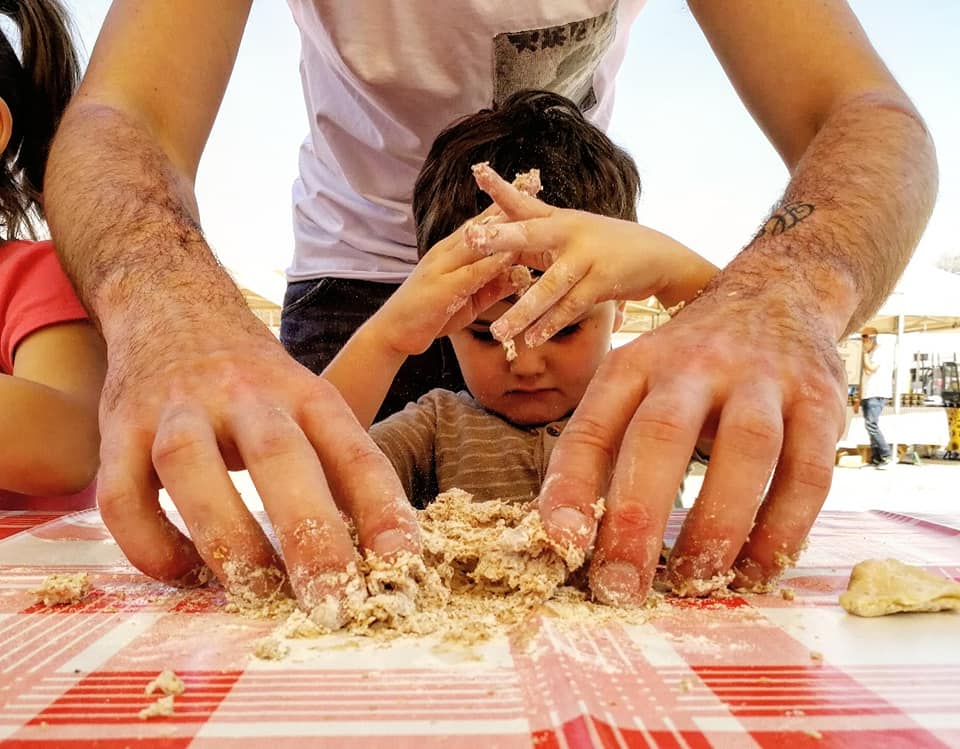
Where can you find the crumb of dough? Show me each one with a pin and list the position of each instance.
(162, 708)
(256, 593)
(478, 233)
(487, 567)
(816, 655)
(888, 586)
(270, 649)
(167, 682)
(787, 594)
(520, 278)
(813, 733)
(528, 182)
(671, 311)
(509, 349)
(61, 589)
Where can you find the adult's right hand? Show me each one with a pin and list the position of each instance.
(190, 397)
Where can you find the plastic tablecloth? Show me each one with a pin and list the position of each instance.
(742, 671)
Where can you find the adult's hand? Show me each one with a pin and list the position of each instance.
(196, 385)
(187, 399)
(753, 369)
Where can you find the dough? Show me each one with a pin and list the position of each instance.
(58, 590)
(167, 682)
(162, 708)
(888, 586)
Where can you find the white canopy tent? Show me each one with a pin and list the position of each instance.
(925, 299)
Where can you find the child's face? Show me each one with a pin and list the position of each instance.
(542, 384)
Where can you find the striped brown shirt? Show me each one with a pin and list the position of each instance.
(448, 440)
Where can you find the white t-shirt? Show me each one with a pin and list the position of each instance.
(381, 78)
(880, 383)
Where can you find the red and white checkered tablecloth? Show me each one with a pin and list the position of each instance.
(739, 672)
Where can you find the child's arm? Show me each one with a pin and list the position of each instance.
(49, 404)
(450, 286)
(602, 258)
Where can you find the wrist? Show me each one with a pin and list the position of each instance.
(813, 292)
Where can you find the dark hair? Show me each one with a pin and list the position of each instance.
(580, 167)
(36, 92)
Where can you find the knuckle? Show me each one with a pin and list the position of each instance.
(362, 456)
(812, 474)
(659, 424)
(756, 432)
(589, 432)
(634, 520)
(114, 496)
(175, 444)
(276, 437)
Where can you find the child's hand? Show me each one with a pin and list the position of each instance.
(450, 286)
(586, 259)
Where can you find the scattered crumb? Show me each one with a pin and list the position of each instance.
(520, 278)
(671, 311)
(257, 593)
(61, 589)
(787, 594)
(816, 655)
(162, 708)
(510, 349)
(813, 733)
(270, 648)
(167, 682)
(528, 182)
(686, 684)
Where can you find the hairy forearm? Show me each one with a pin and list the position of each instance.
(126, 226)
(853, 212)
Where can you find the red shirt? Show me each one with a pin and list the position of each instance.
(34, 293)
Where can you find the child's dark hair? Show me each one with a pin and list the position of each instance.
(580, 167)
(37, 92)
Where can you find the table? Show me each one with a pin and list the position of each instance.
(743, 671)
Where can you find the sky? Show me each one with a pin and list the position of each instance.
(709, 175)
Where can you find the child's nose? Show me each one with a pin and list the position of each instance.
(529, 361)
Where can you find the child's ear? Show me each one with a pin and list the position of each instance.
(6, 125)
(619, 313)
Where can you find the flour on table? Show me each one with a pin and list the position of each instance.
(62, 589)
(888, 586)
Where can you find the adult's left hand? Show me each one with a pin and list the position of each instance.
(747, 367)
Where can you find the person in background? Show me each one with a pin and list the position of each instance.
(495, 441)
(876, 385)
(52, 359)
(197, 386)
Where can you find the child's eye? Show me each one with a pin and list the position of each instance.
(567, 331)
(482, 335)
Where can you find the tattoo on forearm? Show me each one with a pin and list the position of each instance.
(786, 218)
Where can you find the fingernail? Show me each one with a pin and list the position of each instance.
(572, 522)
(333, 598)
(500, 331)
(616, 584)
(390, 542)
